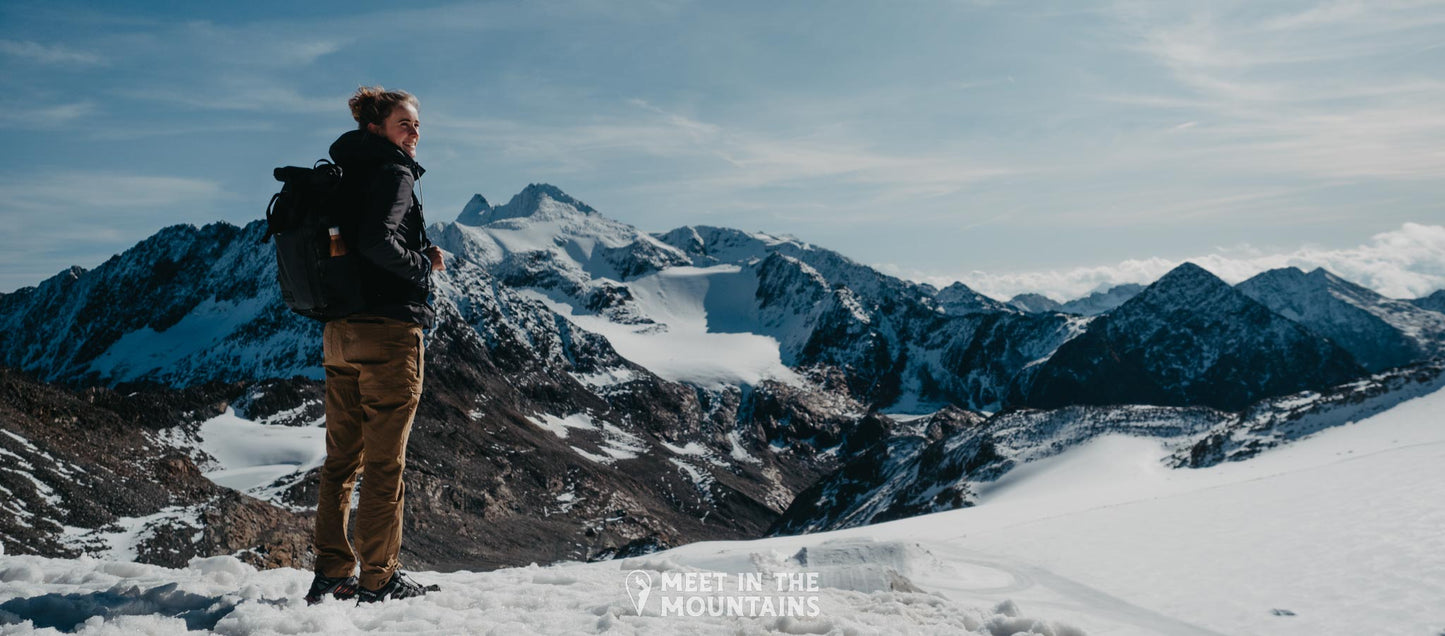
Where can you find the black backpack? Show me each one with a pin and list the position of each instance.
(314, 283)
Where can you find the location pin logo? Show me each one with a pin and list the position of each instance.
(639, 585)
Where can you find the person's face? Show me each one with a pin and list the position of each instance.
(402, 128)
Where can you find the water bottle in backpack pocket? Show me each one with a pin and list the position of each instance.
(316, 271)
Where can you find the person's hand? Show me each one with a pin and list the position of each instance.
(435, 254)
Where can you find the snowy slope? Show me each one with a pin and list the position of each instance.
(259, 459)
(948, 465)
(186, 305)
(1334, 533)
(1339, 531)
(700, 327)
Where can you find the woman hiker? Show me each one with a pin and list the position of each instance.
(373, 358)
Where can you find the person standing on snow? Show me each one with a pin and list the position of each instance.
(374, 358)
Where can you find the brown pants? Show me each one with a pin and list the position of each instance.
(373, 384)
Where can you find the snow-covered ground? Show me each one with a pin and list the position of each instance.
(1338, 533)
(252, 456)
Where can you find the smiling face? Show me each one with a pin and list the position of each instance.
(402, 128)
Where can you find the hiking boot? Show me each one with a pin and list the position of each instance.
(399, 586)
(341, 588)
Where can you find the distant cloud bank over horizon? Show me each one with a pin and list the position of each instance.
(1404, 263)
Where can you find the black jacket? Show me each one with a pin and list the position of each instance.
(382, 221)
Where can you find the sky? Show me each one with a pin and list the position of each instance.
(1053, 147)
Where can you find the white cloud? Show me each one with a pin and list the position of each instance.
(51, 54)
(1404, 263)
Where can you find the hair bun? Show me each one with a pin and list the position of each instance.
(373, 104)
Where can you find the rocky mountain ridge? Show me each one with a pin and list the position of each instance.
(541, 436)
(1188, 339)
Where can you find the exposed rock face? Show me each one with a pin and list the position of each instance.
(96, 461)
(870, 487)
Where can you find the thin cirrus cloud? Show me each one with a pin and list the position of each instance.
(1405, 263)
(723, 158)
(260, 96)
(50, 54)
(81, 217)
(266, 45)
(1319, 93)
(16, 116)
(78, 191)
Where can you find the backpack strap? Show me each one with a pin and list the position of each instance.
(270, 219)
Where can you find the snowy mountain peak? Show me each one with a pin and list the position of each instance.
(1189, 274)
(474, 211)
(538, 200)
(959, 299)
(1434, 302)
(1034, 303)
(1317, 279)
(1380, 332)
(1186, 287)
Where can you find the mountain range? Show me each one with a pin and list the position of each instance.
(595, 391)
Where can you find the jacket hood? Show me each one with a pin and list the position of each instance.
(359, 147)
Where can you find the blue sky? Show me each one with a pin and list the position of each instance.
(1040, 146)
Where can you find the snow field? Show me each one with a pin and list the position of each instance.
(251, 455)
(1337, 533)
(228, 597)
(701, 340)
